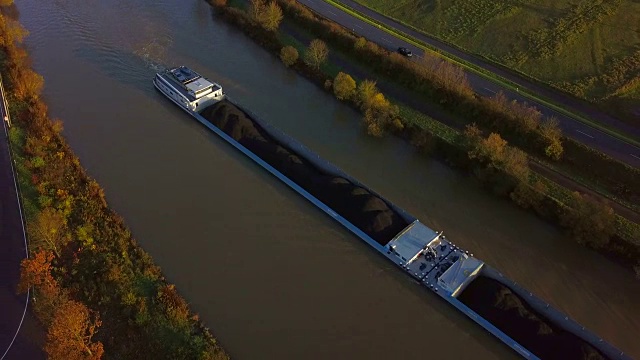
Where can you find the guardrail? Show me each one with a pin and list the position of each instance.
(482, 72)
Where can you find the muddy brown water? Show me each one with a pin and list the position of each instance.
(269, 273)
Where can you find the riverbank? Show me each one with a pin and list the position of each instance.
(539, 194)
(88, 265)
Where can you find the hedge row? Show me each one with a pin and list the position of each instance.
(443, 84)
(572, 211)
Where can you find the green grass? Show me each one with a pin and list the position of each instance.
(507, 32)
(628, 230)
(436, 128)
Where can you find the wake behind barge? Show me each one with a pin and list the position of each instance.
(424, 254)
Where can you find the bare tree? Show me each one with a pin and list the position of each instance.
(316, 54)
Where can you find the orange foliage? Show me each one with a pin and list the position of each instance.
(175, 306)
(70, 334)
(36, 271)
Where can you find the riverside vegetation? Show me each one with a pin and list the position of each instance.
(590, 49)
(480, 147)
(97, 293)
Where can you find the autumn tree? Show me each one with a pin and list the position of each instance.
(70, 335)
(379, 114)
(360, 43)
(173, 304)
(552, 135)
(272, 16)
(49, 231)
(288, 55)
(35, 272)
(26, 83)
(6, 2)
(364, 95)
(588, 221)
(344, 87)
(268, 16)
(516, 164)
(526, 118)
(316, 54)
(496, 163)
(527, 195)
(256, 9)
(11, 31)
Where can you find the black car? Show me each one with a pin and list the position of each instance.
(404, 51)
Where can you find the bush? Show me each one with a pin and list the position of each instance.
(589, 222)
(289, 55)
(360, 43)
(366, 91)
(344, 87)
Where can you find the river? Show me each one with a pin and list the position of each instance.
(271, 275)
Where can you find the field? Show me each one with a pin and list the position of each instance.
(588, 48)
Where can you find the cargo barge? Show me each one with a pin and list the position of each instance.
(524, 322)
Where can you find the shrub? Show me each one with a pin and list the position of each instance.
(288, 55)
(527, 196)
(344, 87)
(589, 222)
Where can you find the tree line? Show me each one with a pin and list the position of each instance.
(502, 167)
(442, 83)
(97, 293)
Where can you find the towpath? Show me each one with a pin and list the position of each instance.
(20, 333)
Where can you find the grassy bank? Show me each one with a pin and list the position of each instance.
(99, 294)
(501, 173)
(579, 48)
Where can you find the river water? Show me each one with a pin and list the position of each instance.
(271, 275)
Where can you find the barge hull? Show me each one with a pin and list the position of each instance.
(447, 255)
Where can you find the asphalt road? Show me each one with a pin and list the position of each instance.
(572, 128)
(20, 334)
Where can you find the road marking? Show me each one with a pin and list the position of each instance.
(387, 40)
(493, 92)
(585, 134)
(637, 157)
(358, 26)
(331, 12)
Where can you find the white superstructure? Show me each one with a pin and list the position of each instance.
(187, 88)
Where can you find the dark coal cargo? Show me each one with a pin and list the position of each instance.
(507, 311)
(494, 301)
(359, 206)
